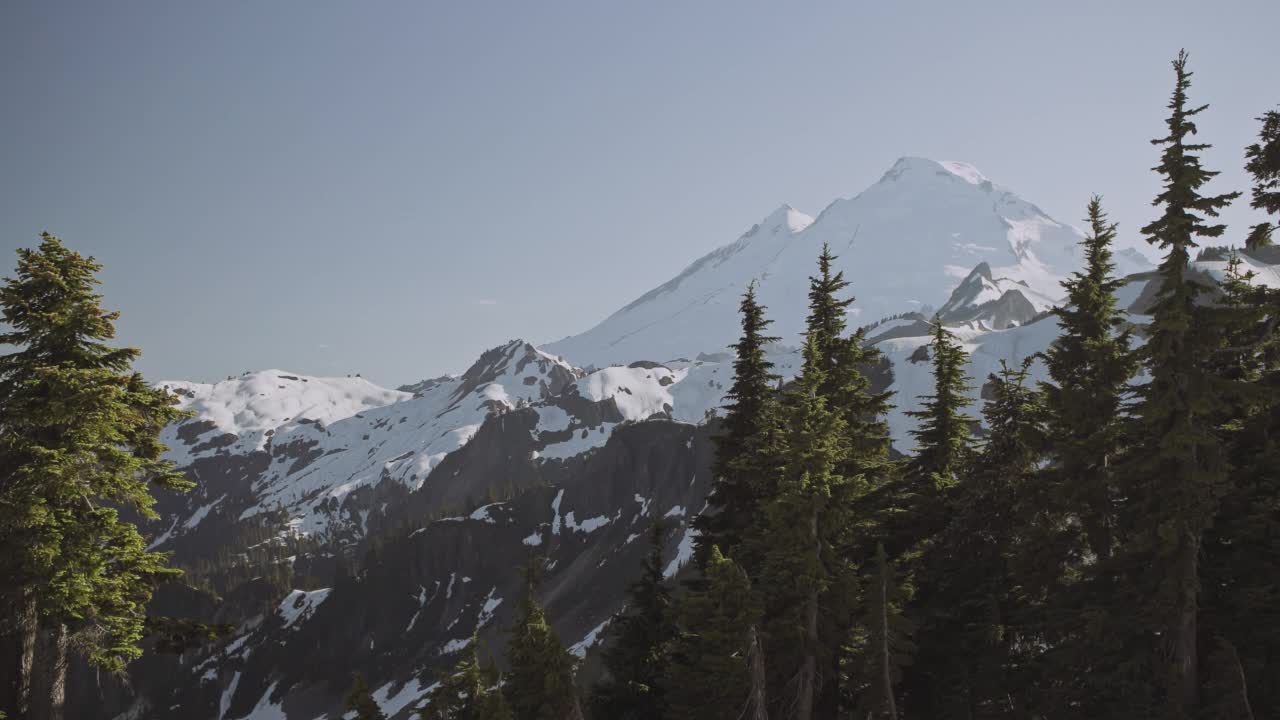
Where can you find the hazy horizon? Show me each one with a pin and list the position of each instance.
(332, 190)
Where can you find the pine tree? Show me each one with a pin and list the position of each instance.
(79, 438)
(361, 702)
(802, 567)
(1264, 165)
(640, 639)
(1090, 365)
(1178, 467)
(742, 451)
(708, 675)
(882, 646)
(540, 682)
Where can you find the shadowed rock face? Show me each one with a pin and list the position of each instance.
(426, 591)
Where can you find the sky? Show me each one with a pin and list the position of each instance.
(390, 188)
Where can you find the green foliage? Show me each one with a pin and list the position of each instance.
(79, 438)
(1264, 165)
(1177, 471)
(742, 466)
(880, 647)
(943, 438)
(178, 635)
(640, 638)
(707, 675)
(360, 701)
(1090, 365)
(471, 691)
(540, 683)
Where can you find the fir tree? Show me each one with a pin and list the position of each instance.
(79, 438)
(468, 692)
(360, 701)
(1090, 365)
(741, 467)
(1264, 165)
(803, 569)
(708, 676)
(640, 638)
(1241, 557)
(882, 646)
(864, 464)
(944, 441)
(540, 682)
(974, 612)
(1178, 468)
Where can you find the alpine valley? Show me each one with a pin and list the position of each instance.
(340, 526)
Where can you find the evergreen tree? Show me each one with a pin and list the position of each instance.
(803, 569)
(882, 646)
(864, 464)
(1178, 467)
(79, 438)
(540, 683)
(1264, 165)
(1241, 555)
(971, 612)
(943, 436)
(468, 692)
(1090, 364)
(1227, 690)
(708, 675)
(640, 636)
(742, 451)
(360, 701)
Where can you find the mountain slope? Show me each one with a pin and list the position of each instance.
(904, 243)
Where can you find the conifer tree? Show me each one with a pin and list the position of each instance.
(864, 464)
(1264, 165)
(944, 440)
(882, 646)
(1227, 689)
(640, 639)
(470, 691)
(844, 360)
(540, 682)
(1178, 467)
(1090, 365)
(361, 702)
(79, 438)
(1241, 556)
(802, 567)
(708, 675)
(743, 450)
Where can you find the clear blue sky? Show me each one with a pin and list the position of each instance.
(391, 187)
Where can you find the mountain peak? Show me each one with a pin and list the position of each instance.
(784, 219)
(919, 167)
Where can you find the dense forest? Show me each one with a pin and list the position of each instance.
(1103, 544)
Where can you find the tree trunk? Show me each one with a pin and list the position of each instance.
(757, 701)
(17, 648)
(1185, 663)
(886, 665)
(807, 687)
(49, 675)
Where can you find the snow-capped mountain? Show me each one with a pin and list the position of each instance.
(905, 243)
(569, 451)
